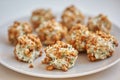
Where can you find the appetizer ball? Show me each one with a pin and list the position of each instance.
(28, 48)
(100, 47)
(50, 32)
(99, 23)
(41, 15)
(72, 16)
(108, 37)
(77, 37)
(18, 29)
(60, 56)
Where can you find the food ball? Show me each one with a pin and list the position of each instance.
(18, 29)
(50, 32)
(71, 16)
(100, 46)
(60, 56)
(28, 48)
(41, 15)
(108, 37)
(99, 23)
(77, 37)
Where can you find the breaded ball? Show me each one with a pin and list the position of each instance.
(100, 46)
(71, 16)
(108, 37)
(77, 37)
(60, 56)
(99, 23)
(18, 29)
(50, 32)
(41, 15)
(28, 48)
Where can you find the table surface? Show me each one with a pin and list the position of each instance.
(13, 9)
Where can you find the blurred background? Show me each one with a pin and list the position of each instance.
(13, 9)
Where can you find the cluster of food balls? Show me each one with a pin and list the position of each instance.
(63, 40)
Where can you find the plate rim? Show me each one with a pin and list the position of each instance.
(57, 76)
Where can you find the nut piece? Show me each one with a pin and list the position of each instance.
(28, 48)
(50, 67)
(71, 16)
(31, 66)
(50, 32)
(18, 29)
(41, 15)
(99, 23)
(64, 68)
(60, 56)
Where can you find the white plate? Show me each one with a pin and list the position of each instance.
(82, 67)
